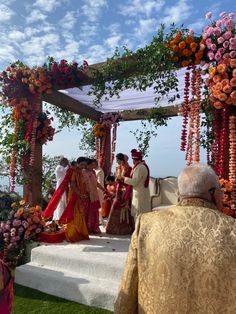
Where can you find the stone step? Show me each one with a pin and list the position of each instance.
(87, 272)
(68, 285)
(98, 257)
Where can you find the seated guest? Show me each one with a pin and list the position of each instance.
(183, 259)
(109, 195)
(6, 289)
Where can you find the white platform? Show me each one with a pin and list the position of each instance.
(87, 272)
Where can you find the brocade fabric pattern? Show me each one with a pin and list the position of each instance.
(181, 260)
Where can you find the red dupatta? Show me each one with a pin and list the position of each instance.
(52, 205)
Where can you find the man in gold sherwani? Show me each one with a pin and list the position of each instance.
(182, 260)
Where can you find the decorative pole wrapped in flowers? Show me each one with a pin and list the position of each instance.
(102, 131)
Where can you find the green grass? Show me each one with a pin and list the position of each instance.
(30, 301)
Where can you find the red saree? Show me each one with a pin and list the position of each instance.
(119, 220)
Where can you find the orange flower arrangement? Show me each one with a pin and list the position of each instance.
(99, 130)
(228, 204)
(221, 86)
(186, 49)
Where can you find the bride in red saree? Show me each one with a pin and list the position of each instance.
(78, 203)
(119, 220)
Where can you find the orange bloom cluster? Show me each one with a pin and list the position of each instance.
(228, 205)
(186, 49)
(222, 83)
(99, 130)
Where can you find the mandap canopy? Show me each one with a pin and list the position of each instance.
(197, 74)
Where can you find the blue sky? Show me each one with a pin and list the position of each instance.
(91, 29)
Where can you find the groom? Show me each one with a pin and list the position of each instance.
(139, 180)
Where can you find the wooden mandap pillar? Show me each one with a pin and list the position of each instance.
(32, 189)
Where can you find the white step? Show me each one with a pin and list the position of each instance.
(68, 285)
(87, 272)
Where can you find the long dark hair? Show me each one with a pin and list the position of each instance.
(120, 156)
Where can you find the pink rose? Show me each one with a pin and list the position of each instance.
(219, 23)
(229, 25)
(218, 56)
(220, 40)
(232, 41)
(226, 44)
(217, 31)
(223, 14)
(204, 36)
(208, 41)
(210, 30)
(221, 50)
(210, 55)
(232, 15)
(232, 54)
(227, 35)
(208, 15)
(232, 47)
(213, 47)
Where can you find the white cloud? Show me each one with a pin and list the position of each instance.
(93, 8)
(113, 41)
(140, 7)
(7, 53)
(96, 53)
(146, 26)
(198, 25)
(16, 35)
(35, 16)
(38, 45)
(5, 13)
(47, 5)
(69, 20)
(177, 13)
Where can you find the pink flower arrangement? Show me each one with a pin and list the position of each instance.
(24, 223)
(220, 37)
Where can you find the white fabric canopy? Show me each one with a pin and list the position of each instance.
(130, 99)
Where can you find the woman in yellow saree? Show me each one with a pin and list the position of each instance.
(76, 230)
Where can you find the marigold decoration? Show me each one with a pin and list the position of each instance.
(192, 111)
(24, 223)
(228, 202)
(186, 49)
(21, 90)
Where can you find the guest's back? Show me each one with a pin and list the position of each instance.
(182, 260)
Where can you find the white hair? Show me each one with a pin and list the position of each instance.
(196, 180)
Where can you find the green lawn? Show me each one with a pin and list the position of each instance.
(30, 301)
